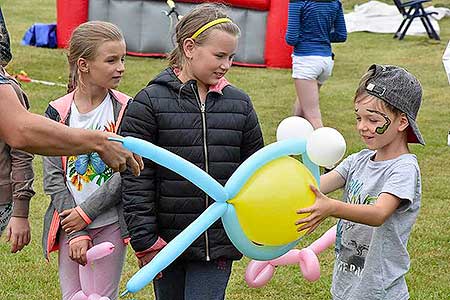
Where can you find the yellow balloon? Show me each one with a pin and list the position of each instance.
(266, 206)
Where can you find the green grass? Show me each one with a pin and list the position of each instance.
(27, 275)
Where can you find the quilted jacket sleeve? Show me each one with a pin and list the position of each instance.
(252, 139)
(138, 193)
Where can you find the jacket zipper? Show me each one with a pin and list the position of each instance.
(202, 107)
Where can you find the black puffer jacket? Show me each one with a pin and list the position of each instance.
(162, 203)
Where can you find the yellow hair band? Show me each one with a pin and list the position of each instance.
(209, 25)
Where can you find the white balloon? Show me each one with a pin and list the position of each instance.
(325, 146)
(294, 127)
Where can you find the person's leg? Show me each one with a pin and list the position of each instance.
(109, 268)
(207, 280)
(296, 73)
(308, 97)
(172, 283)
(297, 110)
(69, 278)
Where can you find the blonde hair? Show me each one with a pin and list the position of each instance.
(361, 93)
(85, 41)
(194, 20)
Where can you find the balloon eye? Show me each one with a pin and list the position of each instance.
(294, 128)
(325, 146)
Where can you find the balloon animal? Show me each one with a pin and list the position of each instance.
(258, 273)
(258, 203)
(87, 272)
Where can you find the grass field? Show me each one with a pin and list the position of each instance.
(27, 275)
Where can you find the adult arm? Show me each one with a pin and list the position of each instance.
(18, 232)
(35, 134)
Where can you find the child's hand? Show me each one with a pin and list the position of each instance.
(320, 210)
(78, 249)
(18, 232)
(145, 259)
(72, 221)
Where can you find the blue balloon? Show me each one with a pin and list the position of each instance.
(176, 246)
(177, 164)
(220, 209)
(315, 170)
(247, 247)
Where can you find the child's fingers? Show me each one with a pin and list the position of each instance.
(65, 226)
(314, 189)
(304, 220)
(305, 210)
(66, 221)
(313, 227)
(83, 258)
(303, 227)
(65, 213)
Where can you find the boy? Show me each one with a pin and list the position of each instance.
(382, 190)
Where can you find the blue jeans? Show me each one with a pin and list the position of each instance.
(194, 280)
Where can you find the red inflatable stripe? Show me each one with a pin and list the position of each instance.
(68, 16)
(277, 52)
(250, 4)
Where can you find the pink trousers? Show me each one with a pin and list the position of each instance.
(108, 268)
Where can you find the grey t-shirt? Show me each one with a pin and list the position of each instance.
(371, 262)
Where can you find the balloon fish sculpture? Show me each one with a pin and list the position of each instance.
(258, 203)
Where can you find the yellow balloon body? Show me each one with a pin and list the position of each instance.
(266, 206)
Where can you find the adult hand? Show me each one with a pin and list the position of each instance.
(117, 157)
(18, 233)
(72, 221)
(319, 211)
(78, 249)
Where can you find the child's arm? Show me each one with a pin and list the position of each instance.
(139, 193)
(339, 33)
(331, 182)
(293, 27)
(373, 215)
(104, 198)
(55, 186)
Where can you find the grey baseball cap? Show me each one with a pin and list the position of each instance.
(400, 89)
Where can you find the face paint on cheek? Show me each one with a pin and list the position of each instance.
(384, 128)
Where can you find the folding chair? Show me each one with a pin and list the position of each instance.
(411, 10)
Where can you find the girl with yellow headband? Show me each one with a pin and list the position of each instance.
(193, 111)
